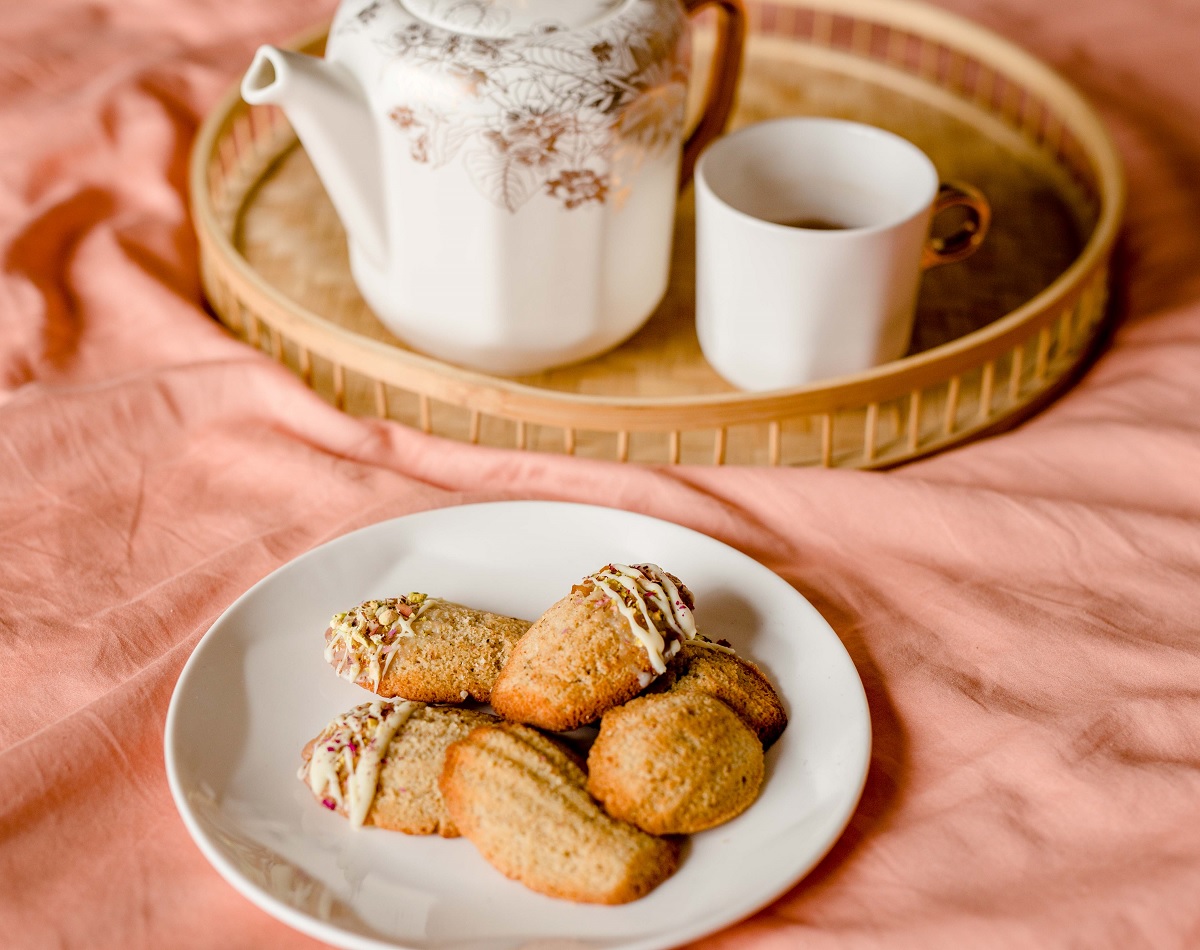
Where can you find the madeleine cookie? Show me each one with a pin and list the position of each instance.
(714, 669)
(421, 648)
(521, 799)
(675, 763)
(379, 764)
(598, 647)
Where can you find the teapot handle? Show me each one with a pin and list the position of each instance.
(722, 82)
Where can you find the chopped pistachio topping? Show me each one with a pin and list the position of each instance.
(343, 770)
(364, 640)
(657, 606)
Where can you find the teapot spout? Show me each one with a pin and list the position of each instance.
(328, 110)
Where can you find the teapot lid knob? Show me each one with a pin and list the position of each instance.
(502, 18)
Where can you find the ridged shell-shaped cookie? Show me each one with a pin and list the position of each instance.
(586, 655)
(405, 792)
(520, 798)
(422, 648)
(738, 683)
(675, 763)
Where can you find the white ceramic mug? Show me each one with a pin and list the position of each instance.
(811, 236)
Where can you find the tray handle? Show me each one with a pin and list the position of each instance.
(723, 80)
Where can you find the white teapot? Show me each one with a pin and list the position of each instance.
(506, 170)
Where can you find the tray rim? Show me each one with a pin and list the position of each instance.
(513, 399)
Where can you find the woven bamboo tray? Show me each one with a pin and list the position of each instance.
(997, 337)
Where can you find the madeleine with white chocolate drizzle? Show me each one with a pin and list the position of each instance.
(598, 647)
(422, 648)
(379, 764)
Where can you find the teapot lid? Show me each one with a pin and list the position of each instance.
(499, 18)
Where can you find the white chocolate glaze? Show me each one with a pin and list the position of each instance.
(651, 592)
(369, 635)
(348, 754)
(719, 647)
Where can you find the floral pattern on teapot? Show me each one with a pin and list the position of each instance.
(543, 109)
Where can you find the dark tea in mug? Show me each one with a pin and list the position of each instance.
(815, 224)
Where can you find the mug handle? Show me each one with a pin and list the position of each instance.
(722, 82)
(966, 240)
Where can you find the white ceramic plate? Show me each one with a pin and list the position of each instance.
(257, 688)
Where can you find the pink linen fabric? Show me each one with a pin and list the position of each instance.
(1024, 611)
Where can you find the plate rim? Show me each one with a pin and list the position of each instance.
(339, 937)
